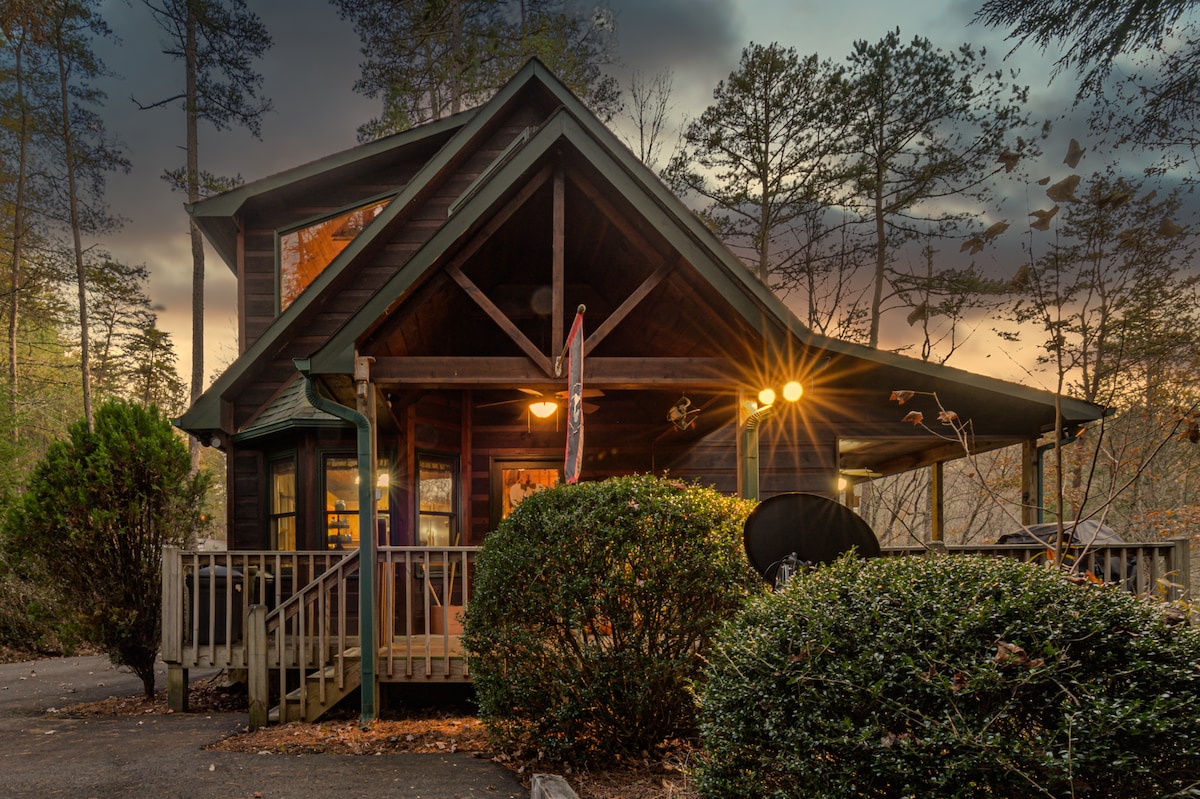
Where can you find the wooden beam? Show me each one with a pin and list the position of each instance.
(605, 207)
(1031, 495)
(497, 316)
(627, 306)
(503, 215)
(513, 372)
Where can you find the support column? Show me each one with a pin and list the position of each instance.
(258, 689)
(364, 392)
(177, 688)
(937, 498)
(1031, 483)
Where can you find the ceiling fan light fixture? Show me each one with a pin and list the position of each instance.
(543, 409)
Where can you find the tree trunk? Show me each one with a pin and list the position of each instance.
(18, 235)
(73, 210)
(880, 257)
(193, 195)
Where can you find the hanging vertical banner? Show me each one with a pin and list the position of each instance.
(574, 460)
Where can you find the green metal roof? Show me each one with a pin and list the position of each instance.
(289, 410)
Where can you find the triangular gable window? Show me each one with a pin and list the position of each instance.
(306, 251)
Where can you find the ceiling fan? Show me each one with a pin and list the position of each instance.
(533, 395)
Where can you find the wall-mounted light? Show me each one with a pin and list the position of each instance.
(543, 409)
(750, 415)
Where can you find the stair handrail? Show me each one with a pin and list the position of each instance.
(312, 602)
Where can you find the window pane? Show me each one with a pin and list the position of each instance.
(282, 500)
(434, 532)
(304, 253)
(437, 486)
(341, 502)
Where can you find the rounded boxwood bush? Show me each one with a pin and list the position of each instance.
(592, 605)
(950, 677)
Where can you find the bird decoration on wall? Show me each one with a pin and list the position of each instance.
(682, 414)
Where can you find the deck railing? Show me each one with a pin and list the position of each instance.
(425, 592)
(305, 624)
(1158, 568)
(310, 641)
(206, 595)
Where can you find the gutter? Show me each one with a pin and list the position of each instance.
(366, 536)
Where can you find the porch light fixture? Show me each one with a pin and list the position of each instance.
(543, 409)
(751, 414)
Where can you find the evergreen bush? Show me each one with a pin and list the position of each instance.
(96, 513)
(591, 607)
(951, 677)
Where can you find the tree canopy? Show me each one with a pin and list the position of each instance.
(428, 59)
(764, 151)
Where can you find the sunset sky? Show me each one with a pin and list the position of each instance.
(309, 73)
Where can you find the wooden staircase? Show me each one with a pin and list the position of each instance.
(321, 690)
(310, 642)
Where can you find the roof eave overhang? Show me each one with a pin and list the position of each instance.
(217, 216)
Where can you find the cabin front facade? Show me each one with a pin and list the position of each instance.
(400, 307)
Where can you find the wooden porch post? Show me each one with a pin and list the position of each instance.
(172, 629)
(1183, 564)
(1031, 482)
(365, 399)
(937, 498)
(257, 679)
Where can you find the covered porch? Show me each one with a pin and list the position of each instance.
(291, 621)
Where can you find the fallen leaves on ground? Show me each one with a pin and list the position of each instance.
(423, 731)
(426, 733)
(209, 695)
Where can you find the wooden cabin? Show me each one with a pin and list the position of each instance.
(401, 305)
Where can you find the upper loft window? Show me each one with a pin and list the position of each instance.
(305, 252)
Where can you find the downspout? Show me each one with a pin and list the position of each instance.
(1068, 437)
(366, 535)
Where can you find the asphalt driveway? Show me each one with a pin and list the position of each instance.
(46, 753)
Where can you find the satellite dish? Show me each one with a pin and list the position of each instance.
(813, 528)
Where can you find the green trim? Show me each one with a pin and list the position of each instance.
(256, 433)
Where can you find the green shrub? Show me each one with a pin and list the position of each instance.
(591, 606)
(951, 677)
(98, 509)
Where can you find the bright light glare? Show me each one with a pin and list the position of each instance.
(543, 410)
(793, 391)
(766, 397)
(842, 484)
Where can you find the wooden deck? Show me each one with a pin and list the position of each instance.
(291, 619)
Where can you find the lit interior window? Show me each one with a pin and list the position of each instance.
(304, 253)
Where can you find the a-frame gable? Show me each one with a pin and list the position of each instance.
(207, 413)
(562, 131)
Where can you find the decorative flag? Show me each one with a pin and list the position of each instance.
(574, 461)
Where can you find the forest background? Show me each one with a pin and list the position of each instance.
(1026, 213)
